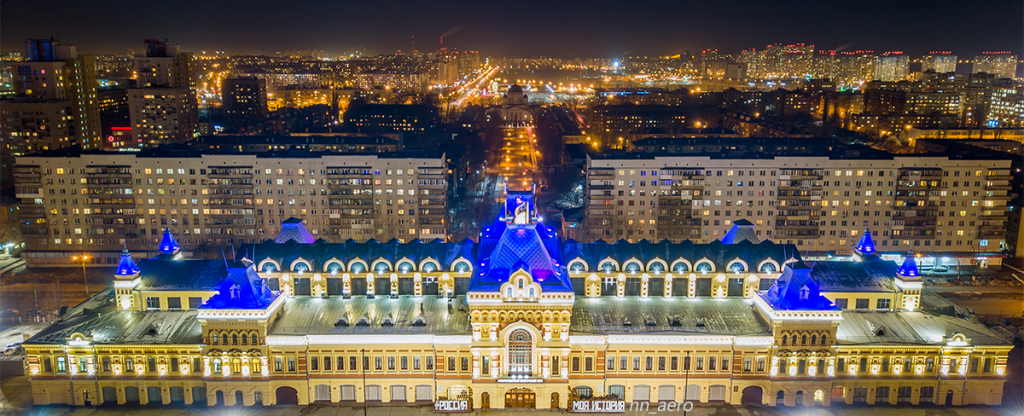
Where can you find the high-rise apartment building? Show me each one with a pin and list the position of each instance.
(163, 107)
(245, 99)
(892, 66)
(939, 61)
(54, 104)
(815, 193)
(854, 68)
(1001, 64)
(100, 202)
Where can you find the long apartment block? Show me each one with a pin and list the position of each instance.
(95, 202)
(820, 201)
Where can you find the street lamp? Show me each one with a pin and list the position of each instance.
(84, 258)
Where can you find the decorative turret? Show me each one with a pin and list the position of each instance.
(126, 268)
(909, 268)
(866, 246)
(167, 244)
(908, 279)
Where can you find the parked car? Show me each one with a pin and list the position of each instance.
(14, 349)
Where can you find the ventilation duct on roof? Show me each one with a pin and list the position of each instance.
(363, 320)
(650, 321)
(388, 320)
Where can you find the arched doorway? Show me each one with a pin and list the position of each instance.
(257, 398)
(520, 352)
(177, 395)
(219, 395)
(752, 396)
(155, 396)
(199, 395)
(780, 398)
(949, 398)
(239, 398)
(800, 398)
(485, 400)
(287, 395)
(109, 395)
(555, 403)
(131, 395)
(520, 398)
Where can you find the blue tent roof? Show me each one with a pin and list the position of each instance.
(521, 246)
(241, 289)
(866, 245)
(293, 230)
(795, 289)
(909, 267)
(168, 245)
(126, 267)
(742, 230)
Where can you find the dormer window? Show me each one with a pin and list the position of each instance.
(804, 292)
(235, 293)
(520, 283)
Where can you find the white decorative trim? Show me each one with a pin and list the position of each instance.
(127, 284)
(904, 285)
(586, 340)
(671, 339)
(361, 339)
(754, 340)
(776, 315)
(242, 313)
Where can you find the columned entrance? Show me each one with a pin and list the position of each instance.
(520, 398)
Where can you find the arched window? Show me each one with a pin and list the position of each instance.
(680, 267)
(607, 267)
(269, 267)
(633, 267)
(768, 268)
(214, 338)
(824, 339)
(508, 292)
(520, 283)
(814, 339)
(245, 339)
(234, 339)
(462, 267)
(704, 267)
(520, 352)
(784, 338)
(803, 341)
(737, 267)
(531, 292)
(576, 267)
(657, 267)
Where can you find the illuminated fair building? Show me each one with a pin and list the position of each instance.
(519, 319)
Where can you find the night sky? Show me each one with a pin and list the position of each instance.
(529, 28)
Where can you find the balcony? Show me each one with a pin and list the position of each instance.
(986, 234)
(999, 177)
(998, 187)
(983, 217)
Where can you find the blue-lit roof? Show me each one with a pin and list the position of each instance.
(521, 246)
(243, 288)
(909, 267)
(796, 289)
(293, 230)
(168, 245)
(126, 267)
(866, 245)
(742, 230)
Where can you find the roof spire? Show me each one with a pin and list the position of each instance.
(168, 245)
(909, 267)
(126, 267)
(866, 245)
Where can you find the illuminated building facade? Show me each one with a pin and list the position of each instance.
(814, 193)
(520, 319)
(892, 66)
(1001, 64)
(163, 105)
(224, 194)
(941, 62)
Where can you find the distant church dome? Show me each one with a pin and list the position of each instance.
(515, 88)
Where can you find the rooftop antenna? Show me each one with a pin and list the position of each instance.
(224, 257)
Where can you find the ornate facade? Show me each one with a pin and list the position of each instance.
(518, 319)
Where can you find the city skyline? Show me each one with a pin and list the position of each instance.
(571, 31)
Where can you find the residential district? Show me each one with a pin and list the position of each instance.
(786, 226)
